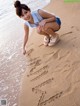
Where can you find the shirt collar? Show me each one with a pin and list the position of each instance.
(34, 18)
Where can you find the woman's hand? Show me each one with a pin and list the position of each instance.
(24, 51)
(42, 23)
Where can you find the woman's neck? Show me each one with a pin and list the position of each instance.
(32, 20)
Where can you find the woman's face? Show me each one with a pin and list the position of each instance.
(26, 15)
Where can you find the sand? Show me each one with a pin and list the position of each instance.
(52, 77)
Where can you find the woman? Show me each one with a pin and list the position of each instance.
(45, 23)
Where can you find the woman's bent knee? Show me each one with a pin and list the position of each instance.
(39, 30)
(54, 26)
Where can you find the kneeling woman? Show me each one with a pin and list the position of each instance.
(46, 23)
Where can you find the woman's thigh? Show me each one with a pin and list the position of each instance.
(51, 25)
(40, 31)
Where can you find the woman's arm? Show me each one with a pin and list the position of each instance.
(26, 28)
(47, 16)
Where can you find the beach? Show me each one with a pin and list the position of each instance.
(52, 77)
(12, 62)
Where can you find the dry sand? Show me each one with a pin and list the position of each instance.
(52, 77)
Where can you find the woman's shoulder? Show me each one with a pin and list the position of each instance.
(26, 24)
(36, 11)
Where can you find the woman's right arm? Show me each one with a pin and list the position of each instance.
(26, 28)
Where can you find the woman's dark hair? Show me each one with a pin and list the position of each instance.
(19, 7)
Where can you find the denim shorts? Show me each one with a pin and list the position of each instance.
(58, 21)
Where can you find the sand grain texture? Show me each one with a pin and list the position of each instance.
(53, 76)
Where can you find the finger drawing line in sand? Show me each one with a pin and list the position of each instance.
(48, 54)
(42, 74)
(49, 100)
(38, 91)
(69, 90)
(43, 84)
(67, 33)
(33, 59)
(56, 55)
(32, 69)
(30, 51)
(62, 69)
(75, 65)
(34, 73)
(75, 28)
(40, 45)
(41, 101)
(35, 63)
(68, 53)
(41, 98)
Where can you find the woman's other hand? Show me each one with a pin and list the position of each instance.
(24, 51)
(42, 23)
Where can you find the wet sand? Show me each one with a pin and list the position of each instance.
(53, 74)
(12, 62)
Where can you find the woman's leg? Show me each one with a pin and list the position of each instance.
(46, 36)
(50, 28)
(39, 31)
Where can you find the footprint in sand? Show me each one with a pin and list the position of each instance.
(52, 56)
